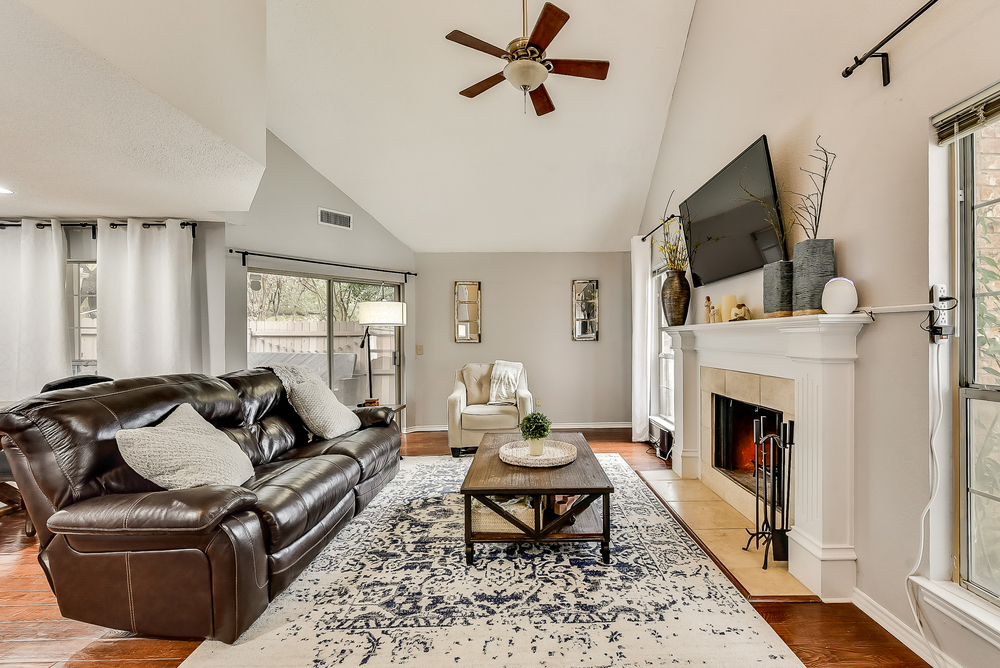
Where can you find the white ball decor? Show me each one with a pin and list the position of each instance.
(840, 296)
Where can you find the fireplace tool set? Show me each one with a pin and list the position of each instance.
(772, 475)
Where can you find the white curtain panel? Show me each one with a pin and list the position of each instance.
(145, 306)
(641, 338)
(35, 336)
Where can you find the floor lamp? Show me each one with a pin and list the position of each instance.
(384, 314)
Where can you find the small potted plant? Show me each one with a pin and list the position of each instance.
(535, 427)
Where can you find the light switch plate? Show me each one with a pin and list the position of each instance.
(420, 350)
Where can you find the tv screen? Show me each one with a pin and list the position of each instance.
(726, 232)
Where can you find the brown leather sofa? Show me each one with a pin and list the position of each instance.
(121, 552)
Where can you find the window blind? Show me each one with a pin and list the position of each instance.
(968, 116)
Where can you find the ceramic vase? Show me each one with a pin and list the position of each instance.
(536, 446)
(813, 264)
(778, 289)
(675, 297)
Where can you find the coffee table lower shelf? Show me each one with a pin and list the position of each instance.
(581, 523)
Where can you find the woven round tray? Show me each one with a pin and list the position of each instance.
(556, 453)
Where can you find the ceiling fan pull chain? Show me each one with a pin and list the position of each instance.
(525, 101)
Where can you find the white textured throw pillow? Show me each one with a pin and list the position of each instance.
(315, 402)
(184, 451)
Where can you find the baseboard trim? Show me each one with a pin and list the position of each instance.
(555, 426)
(902, 632)
(591, 425)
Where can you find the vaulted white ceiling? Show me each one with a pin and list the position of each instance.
(367, 93)
(112, 107)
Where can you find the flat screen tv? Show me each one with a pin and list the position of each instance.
(726, 232)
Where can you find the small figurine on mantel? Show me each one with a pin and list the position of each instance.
(714, 315)
(708, 309)
(741, 312)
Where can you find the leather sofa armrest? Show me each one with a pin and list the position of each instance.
(375, 416)
(183, 511)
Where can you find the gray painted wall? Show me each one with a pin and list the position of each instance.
(525, 318)
(282, 220)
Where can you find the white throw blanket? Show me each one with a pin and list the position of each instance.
(503, 382)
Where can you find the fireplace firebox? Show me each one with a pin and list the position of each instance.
(734, 451)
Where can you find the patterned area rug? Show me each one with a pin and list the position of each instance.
(393, 589)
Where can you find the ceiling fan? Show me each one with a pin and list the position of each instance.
(527, 66)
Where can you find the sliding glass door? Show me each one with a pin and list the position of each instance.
(313, 321)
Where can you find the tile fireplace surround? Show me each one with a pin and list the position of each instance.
(762, 362)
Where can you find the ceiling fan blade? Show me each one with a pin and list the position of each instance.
(591, 69)
(475, 43)
(483, 86)
(541, 100)
(549, 23)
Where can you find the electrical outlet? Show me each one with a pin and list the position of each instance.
(420, 350)
(940, 327)
(538, 402)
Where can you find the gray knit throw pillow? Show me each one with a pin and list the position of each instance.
(184, 451)
(315, 402)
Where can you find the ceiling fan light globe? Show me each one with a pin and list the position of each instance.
(525, 74)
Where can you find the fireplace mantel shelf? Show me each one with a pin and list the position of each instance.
(798, 321)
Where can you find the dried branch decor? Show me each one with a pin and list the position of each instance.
(771, 212)
(807, 212)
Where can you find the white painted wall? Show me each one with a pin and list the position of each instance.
(283, 221)
(774, 67)
(526, 318)
(205, 58)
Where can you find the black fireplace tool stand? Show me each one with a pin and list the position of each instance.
(772, 475)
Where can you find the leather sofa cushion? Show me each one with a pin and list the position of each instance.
(482, 417)
(185, 511)
(477, 382)
(270, 426)
(69, 435)
(373, 449)
(294, 495)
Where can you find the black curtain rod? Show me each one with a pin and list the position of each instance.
(885, 56)
(246, 253)
(662, 223)
(93, 226)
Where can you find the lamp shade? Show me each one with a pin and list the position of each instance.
(382, 313)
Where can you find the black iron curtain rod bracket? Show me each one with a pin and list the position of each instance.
(246, 253)
(662, 223)
(885, 56)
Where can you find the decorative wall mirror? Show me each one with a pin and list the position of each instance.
(585, 317)
(468, 316)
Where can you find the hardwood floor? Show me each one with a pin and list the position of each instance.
(33, 634)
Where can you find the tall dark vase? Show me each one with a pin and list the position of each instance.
(778, 289)
(813, 265)
(675, 297)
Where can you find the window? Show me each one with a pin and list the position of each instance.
(978, 174)
(663, 396)
(313, 321)
(81, 277)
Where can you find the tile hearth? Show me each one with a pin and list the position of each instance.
(723, 531)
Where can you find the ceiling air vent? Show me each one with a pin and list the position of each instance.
(344, 221)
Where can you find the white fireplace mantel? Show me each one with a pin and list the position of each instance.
(817, 352)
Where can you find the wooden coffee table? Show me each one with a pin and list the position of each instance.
(488, 476)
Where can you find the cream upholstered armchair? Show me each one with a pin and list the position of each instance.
(470, 416)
